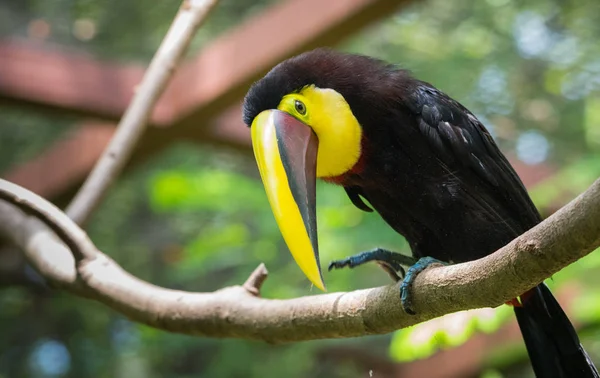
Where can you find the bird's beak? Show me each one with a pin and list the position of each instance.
(286, 152)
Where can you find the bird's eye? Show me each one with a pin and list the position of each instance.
(300, 107)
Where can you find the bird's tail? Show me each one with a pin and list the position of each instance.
(552, 343)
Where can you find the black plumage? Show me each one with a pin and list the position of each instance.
(434, 173)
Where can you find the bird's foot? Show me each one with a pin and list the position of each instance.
(390, 261)
(412, 273)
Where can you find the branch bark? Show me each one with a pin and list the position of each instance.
(133, 124)
(566, 236)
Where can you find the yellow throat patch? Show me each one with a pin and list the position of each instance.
(330, 117)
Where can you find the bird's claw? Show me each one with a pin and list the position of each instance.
(339, 264)
(390, 259)
(412, 273)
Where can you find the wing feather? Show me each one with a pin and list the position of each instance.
(460, 140)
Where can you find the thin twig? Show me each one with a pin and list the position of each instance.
(256, 280)
(569, 234)
(133, 124)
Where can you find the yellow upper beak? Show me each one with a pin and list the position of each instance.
(286, 153)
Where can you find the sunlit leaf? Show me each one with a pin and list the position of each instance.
(448, 331)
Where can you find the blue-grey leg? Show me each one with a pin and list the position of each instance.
(412, 273)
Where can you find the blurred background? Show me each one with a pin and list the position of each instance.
(190, 212)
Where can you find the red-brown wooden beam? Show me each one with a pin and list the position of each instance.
(76, 83)
(68, 81)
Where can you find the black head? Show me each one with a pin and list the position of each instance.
(366, 83)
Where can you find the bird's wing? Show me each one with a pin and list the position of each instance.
(459, 139)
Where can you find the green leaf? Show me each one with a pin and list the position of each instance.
(448, 331)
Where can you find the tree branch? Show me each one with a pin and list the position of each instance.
(133, 124)
(566, 236)
(74, 237)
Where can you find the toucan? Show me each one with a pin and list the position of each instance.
(426, 164)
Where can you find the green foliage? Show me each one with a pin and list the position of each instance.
(206, 190)
(24, 135)
(567, 183)
(491, 374)
(449, 331)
